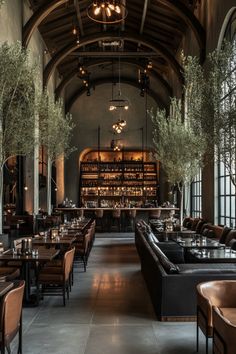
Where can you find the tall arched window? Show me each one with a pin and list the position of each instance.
(225, 188)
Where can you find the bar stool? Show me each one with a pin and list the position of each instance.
(130, 219)
(99, 219)
(116, 219)
(154, 214)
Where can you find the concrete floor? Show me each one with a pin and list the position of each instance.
(109, 311)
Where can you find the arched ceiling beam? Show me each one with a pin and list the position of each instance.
(37, 18)
(190, 19)
(124, 80)
(61, 54)
(67, 79)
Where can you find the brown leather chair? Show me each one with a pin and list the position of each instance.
(220, 293)
(82, 248)
(130, 219)
(224, 330)
(11, 317)
(116, 219)
(99, 216)
(55, 280)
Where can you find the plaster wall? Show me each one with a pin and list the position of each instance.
(11, 21)
(89, 112)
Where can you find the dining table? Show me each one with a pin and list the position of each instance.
(57, 242)
(25, 261)
(220, 255)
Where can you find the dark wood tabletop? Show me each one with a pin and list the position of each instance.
(5, 287)
(43, 241)
(44, 255)
(189, 242)
(214, 256)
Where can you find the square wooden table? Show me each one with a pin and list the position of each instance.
(59, 241)
(214, 256)
(44, 255)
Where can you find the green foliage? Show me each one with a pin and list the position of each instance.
(17, 102)
(211, 101)
(2, 2)
(55, 127)
(177, 146)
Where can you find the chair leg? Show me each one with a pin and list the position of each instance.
(64, 295)
(8, 349)
(20, 337)
(67, 291)
(197, 334)
(2, 348)
(206, 344)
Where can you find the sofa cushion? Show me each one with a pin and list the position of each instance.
(232, 243)
(211, 234)
(194, 224)
(169, 267)
(205, 232)
(173, 251)
(225, 232)
(199, 225)
(231, 234)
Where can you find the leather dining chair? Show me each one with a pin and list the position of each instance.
(224, 331)
(11, 317)
(220, 293)
(56, 280)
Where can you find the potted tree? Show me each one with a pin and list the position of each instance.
(55, 130)
(179, 149)
(17, 107)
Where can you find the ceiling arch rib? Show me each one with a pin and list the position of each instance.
(178, 7)
(37, 18)
(157, 48)
(67, 79)
(190, 19)
(124, 80)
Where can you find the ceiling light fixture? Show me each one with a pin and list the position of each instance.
(118, 102)
(118, 126)
(107, 12)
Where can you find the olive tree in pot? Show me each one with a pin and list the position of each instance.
(55, 129)
(17, 107)
(179, 149)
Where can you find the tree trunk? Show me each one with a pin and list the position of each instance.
(49, 187)
(1, 200)
(181, 205)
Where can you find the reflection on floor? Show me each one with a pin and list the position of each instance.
(109, 311)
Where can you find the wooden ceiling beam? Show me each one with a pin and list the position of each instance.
(158, 48)
(79, 18)
(153, 73)
(38, 16)
(183, 12)
(124, 80)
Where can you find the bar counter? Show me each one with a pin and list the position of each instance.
(127, 217)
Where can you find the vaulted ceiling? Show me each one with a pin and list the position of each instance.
(152, 30)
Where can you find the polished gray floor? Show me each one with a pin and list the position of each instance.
(109, 311)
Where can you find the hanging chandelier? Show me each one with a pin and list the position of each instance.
(118, 102)
(118, 126)
(107, 12)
